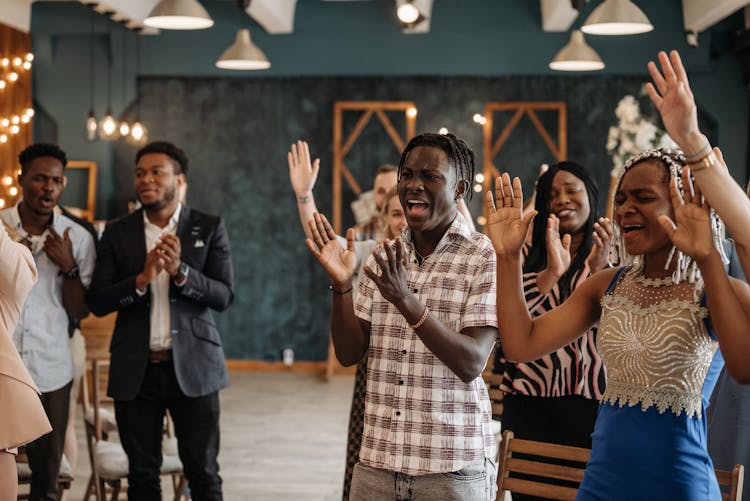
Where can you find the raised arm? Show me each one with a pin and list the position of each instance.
(302, 175)
(728, 299)
(522, 338)
(350, 336)
(670, 92)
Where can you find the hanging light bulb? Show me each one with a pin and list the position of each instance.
(5, 62)
(3, 138)
(2, 203)
(91, 127)
(138, 132)
(14, 129)
(26, 65)
(29, 56)
(12, 76)
(25, 119)
(2, 83)
(13, 191)
(5, 122)
(108, 127)
(7, 180)
(124, 129)
(17, 61)
(15, 120)
(29, 111)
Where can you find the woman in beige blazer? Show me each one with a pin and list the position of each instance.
(22, 416)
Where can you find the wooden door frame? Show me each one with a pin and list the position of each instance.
(341, 147)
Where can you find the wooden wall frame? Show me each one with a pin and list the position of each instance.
(88, 211)
(341, 147)
(493, 145)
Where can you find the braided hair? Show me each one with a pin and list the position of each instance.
(536, 260)
(455, 148)
(673, 161)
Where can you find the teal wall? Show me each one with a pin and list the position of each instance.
(236, 126)
(468, 38)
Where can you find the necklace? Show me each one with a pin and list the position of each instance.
(642, 279)
(420, 257)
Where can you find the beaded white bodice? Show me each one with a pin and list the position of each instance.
(654, 343)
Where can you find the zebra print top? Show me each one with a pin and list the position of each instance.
(575, 369)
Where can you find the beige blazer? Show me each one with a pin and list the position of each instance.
(22, 414)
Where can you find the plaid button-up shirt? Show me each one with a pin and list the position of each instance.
(420, 418)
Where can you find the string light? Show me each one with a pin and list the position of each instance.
(3, 138)
(5, 62)
(15, 120)
(2, 202)
(29, 57)
(7, 180)
(2, 83)
(26, 65)
(411, 112)
(12, 76)
(13, 191)
(14, 129)
(479, 178)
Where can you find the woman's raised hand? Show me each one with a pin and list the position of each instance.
(558, 249)
(338, 262)
(302, 173)
(670, 92)
(507, 225)
(598, 258)
(690, 231)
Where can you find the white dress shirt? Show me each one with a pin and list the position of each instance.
(161, 337)
(41, 335)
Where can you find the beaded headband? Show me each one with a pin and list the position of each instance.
(687, 269)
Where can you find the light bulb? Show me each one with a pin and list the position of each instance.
(14, 129)
(15, 119)
(5, 61)
(407, 13)
(29, 111)
(7, 180)
(477, 188)
(17, 61)
(3, 138)
(5, 122)
(124, 129)
(108, 127)
(25, 119)
(13, 191)
(443, 131)
(2, 202)
(411, 112)
(91, 126)
(2, 84)
(479, 178)
(26, 65)
(137, 132)
(12, 76)
(29, 56)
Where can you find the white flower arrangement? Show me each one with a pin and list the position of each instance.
(634, 133)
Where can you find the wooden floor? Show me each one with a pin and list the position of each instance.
(283, 437)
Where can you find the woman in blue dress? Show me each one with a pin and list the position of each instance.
(662, 315)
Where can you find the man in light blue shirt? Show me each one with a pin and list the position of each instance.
(64, 253)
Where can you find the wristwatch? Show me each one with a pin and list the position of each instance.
(182, 274)
(72, 274)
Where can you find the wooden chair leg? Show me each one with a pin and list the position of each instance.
(180, 488)
(115, 490)
(89, 488)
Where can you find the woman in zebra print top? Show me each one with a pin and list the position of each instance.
(555, 398)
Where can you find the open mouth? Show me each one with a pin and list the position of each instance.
(631, 229)
(416, 207)
(564, 213)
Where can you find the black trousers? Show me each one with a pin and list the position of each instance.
(196, 422)
(567, 420)
(45, 453)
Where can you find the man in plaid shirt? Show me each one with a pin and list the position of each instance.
(426, 316)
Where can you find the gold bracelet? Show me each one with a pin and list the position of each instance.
(702, 164)
(421, 320)
(338, 292)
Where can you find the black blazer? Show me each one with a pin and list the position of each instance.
(198, 355)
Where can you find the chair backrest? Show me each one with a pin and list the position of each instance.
(97, 331)
(99, 380)
(575, 458)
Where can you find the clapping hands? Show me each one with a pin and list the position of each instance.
(339, 263)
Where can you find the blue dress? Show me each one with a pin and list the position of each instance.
(649, 442)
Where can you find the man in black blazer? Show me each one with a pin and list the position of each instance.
(163, 268)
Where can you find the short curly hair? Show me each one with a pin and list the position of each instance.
(31, 153)
(169, 149)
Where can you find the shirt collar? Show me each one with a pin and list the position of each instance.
(459, 228)
(15, 218)
(172, 220)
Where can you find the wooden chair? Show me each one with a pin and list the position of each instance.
(496, 396)
(109, 463)
(64, 477)
(729, 481)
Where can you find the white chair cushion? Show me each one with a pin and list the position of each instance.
(109, 424)
(24, 471)
(112, 462)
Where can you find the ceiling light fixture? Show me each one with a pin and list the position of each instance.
(407, 12)
(179, 15)
(576, 56)
(617, 17)
(108, 124)
(138, 132)
(243, 54)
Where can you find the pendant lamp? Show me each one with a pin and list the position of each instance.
(91, 124)
(617, 17)
(179, 15)
(243, 54)
(576, 56)
(108, 124)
